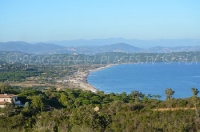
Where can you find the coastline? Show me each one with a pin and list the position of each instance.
(84, 75)
(100, 68)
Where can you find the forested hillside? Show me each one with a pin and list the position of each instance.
(76, 110)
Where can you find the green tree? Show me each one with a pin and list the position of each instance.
(195, 92)
(85, 116)
(136, 95)
(37, 102)
(8, 109)
(95, 99)
(26, 104)
(159, 97)
(63, 99)
(156, 96)
(5, 87)
(124, 97)
(50, 92)
(169, 92)
(149, 96)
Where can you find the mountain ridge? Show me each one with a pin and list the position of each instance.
(50, 48)
(133, 42)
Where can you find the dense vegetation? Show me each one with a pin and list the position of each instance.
(84, 111)
(19, 72)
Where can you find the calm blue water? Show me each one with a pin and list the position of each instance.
(148, 78)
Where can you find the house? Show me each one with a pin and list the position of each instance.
(9, 98)
(59, 81)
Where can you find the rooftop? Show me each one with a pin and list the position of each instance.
(7, 95)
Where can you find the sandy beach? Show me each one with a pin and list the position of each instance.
(100, 68)
(77, 80)
(81, 78)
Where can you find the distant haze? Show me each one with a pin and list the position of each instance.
(133, 42)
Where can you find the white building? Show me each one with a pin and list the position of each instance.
(8, 98)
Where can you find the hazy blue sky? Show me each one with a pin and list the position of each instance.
(43, 20)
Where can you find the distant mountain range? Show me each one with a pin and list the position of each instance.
(133, 42)
(29, 48)
(50, 48)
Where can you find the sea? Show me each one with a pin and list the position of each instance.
(148, 78)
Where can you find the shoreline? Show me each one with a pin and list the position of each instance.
(84, 83)
(78, 80)
(100, 68)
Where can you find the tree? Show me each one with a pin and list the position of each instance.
(26, 105)
(195, 92)
(63, 99)
(159, 97)
(124, 97)
(169, 92)
(37, 102)
(95, 99)
(4, 87)
(136, 95)
(156, 96)
(8, 109)
(149, 96)
(85, 116)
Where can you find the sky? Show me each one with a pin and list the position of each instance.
(46, 20)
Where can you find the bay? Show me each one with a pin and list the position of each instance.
(148, 78)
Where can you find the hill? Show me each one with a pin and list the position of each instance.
(49, 48)
(25, 47)
(134, 42)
